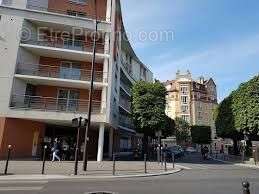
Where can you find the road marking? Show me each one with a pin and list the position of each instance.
(20, 188)
(22, 181)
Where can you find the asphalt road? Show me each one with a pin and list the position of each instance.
(199, 177)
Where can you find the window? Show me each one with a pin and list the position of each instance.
(184, 99)
(70, 70)
(78, 1)
(184, 90)
(184, 108)
(199, 115)
(76, 13)
(186, 118)
(68, 100)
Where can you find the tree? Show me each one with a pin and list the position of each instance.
(239, 112)
(201, 134)
(182, 130)
(148, 107)
(148, 110)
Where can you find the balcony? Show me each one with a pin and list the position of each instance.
(43, 6)
(58, 72)
(50, 104)
(127, 67)
(65, 43)
(125, 121)
(126, 88)
(125, 104)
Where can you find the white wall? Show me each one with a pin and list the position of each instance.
(10, 27)
(26, 57)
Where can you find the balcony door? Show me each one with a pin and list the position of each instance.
(74, 43)
(70, 70)
(68, 100)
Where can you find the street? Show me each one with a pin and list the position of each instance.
(198, 177)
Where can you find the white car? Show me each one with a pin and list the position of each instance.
(191, 150)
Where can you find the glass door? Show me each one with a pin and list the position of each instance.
(62, 99)
(73, 101)
(65, 70)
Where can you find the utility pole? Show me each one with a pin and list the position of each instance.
(85, 156)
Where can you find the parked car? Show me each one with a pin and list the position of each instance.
(177, 151)
(190, 150)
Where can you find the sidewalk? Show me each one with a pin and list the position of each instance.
(236, 160)
(63, 170)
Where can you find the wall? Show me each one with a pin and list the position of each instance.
(63, 5)
(10, 27)
(19, 133)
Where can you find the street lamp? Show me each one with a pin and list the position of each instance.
(78, 123)
(90, 92)
(246, 138)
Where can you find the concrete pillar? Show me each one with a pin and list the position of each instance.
(104, 100)
(111, 142)
(109, 10)
(100, 143)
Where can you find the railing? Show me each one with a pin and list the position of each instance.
(125, 104)
(125, 121)
(65, 43)
(126, 65)
(53, 104)
(41, 6)
(58, 72)
(126, 87)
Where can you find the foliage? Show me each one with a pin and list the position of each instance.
(182, 130)
(240, 110)
(201, 134)
(148, 107)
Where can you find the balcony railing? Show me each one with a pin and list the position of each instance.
(125, 121)
(53, 104)
(127, 66)
(42, 6)
(125, 104)
(126, 87)
(64, 43)
(58, 72)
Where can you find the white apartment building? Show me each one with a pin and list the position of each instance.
(45, 69)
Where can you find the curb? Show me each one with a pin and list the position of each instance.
(237, 164)
(64, 177)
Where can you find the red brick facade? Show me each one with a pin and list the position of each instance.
(23, 135)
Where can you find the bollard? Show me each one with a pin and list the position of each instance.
(8, 158)
(145, 162)
(173, 160)
(165, 161)
(113, 166)
(44, 160)
(246, 189)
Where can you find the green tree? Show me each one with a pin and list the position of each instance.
(201, 134)
(148, 110)
(239, 112)
(148, 107)
(182, 130)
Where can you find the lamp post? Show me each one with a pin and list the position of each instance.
(90, 92)
(78, 123)
(246, 138)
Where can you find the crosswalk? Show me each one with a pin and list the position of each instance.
(12, 186)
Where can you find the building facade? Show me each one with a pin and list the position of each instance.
(46, 51)
(192, 100)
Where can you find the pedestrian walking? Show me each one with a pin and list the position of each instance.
(55, 150)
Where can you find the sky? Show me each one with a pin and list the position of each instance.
(213, 38)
